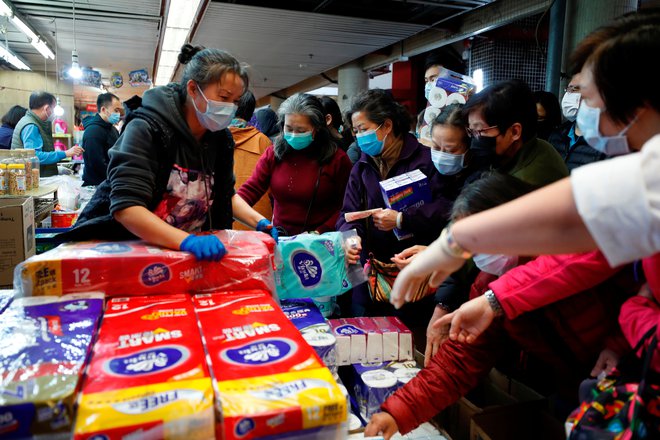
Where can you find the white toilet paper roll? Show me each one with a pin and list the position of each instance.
(430, 114)
(455, 98)
(438, 97)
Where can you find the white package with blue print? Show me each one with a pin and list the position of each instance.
(315, 265)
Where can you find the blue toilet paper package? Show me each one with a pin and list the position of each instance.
(307, 318)
(315, 266)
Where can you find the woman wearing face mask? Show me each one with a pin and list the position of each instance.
(304, 170)
(174, 153)
(548, 113)
(567, 138)
(381, 126)
(608, 205)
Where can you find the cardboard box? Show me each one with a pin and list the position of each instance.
(521, 420)
(403, 192)
(16, 235)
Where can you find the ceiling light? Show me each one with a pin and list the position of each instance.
(43, 49)
(180, 17)
(5, 9)
(23, 27)
(12, 59)
(75, 71)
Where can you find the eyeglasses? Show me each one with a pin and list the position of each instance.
(477, 133)
(572, 89)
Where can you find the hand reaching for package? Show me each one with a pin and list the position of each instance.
(265, 226)
(435, 261)
(435, 335)
(403, 258)
(352, 249)
(204, 247)
(469, 321)
(382, 424)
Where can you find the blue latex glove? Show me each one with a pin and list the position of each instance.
(204, 247)
(266, 227)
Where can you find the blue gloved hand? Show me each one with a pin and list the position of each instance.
(204, 247)
(267, 227)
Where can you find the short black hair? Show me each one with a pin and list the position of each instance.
(491, 190)
(551, 105)
(40, 98)
(452, 115)
(330, 107)
(504, 104)
(446, 57)
(378, 106)
(14, 115)
(246, 106)
(105, 100)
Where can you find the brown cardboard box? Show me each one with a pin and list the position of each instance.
(16, 235)
(526, 420)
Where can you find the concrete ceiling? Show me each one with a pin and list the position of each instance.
(285, 43)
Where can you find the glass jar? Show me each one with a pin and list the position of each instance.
(16, 180)
(23, 155)
(3, 179)
(34, 161)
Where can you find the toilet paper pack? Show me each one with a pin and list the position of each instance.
(375, 382)
(148, 376)
(308, 319)
(44, 342)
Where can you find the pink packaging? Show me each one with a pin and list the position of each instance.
(374, 339)
(406, 346)
(390, 333)
(146, 269)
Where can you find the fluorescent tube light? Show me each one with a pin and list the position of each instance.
(12, 59)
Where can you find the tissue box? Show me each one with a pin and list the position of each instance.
(390, 334)
(405, 191)
(308, 319)
(148, 376)
(44, 342)
(406, 346)
(146, 269)
(348, 329)
(343, 344)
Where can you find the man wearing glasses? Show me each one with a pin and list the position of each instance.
(567, 138)
(502, 125)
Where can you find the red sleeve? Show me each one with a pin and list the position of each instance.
(455, 370)
(259, 182)
(341, 167)
(549, 278)
(638, 315)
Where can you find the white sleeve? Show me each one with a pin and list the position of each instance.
(619, 201)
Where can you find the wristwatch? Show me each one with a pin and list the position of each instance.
(493, 302)
(450, 246)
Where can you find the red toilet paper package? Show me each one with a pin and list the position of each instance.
(137, 268)
(268, 381)
(148, 377)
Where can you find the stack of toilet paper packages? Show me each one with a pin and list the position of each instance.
(371, 340)
(137, 268)
(269, 382)
(148, 376)
(376, 382)
(309, 321)
(44, 342)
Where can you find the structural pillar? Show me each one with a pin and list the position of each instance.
(351, 81)
(555, 42)
(584, 16)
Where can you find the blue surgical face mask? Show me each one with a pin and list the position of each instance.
(447, 163)
(495, 264)
(218, 114)
(369, 143)
(427, 89)
(588, 120)
(114, 118)
(299, 141)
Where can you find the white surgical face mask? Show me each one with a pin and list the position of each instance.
(570, 104)
(218, 114)
(495, 264)
(447, 163)
(588, 120)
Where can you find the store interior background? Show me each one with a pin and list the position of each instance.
(332, 47)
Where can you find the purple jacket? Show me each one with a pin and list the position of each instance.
(363, 192)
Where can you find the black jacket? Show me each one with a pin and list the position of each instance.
(142, 160)
(580, 154)
(99, 137)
